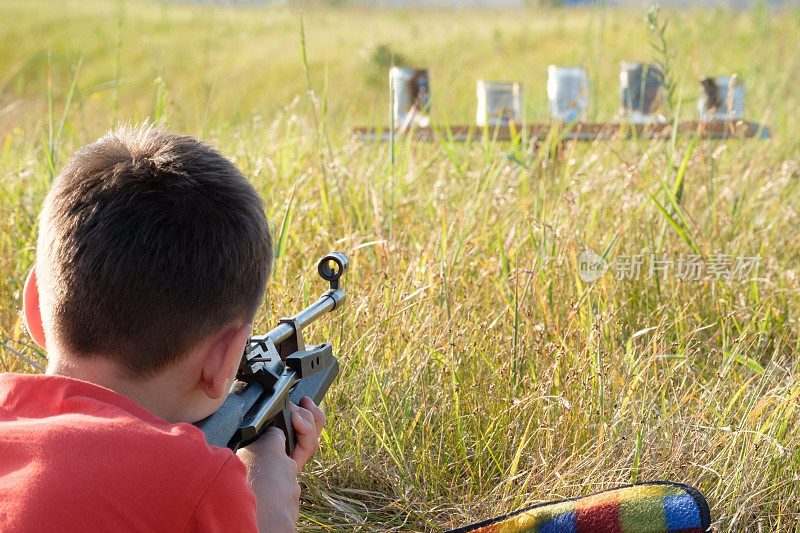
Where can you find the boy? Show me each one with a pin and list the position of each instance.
(152, 259)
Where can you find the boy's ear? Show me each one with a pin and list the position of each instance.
(221, 360)
(32, 310)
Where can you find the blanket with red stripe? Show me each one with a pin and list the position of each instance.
(657, 507)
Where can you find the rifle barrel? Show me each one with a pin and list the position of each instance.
(329, 300)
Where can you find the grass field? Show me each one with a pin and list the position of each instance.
(479, 372)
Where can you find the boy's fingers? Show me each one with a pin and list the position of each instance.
(307, 437)
(319, 416)
(274, 438)
(303, 420)
(271, 442)
(268, 454)
(308, 421)
(276, 435)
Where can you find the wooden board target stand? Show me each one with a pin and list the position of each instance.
(578, 131)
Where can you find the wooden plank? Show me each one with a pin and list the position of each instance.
(580, 131)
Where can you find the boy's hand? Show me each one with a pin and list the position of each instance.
(272, 476)
(308, 421)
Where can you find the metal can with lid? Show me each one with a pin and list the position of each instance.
(721, 99)
(411, 92)
(499, 103)
(568, 92)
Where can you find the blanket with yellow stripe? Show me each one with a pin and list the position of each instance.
(657, 507)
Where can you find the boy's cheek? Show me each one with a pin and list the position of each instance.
(207, 405)
(202, 407)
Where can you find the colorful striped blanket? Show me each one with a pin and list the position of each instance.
(658, 507)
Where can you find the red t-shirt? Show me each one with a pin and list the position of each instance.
(76, 457)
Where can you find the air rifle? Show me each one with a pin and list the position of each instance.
(277, 368)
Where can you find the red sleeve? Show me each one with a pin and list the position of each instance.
(228, 504)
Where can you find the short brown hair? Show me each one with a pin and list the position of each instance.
(149, 242)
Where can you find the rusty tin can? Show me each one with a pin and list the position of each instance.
(641, 88)
(721, 99)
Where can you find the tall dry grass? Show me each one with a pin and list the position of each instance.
(479, 372)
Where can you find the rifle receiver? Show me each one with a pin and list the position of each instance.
(278, 368)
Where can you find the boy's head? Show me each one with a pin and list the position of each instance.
(149, 242)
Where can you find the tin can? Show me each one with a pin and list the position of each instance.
(641, 90)
(499, 103)
(721, 99)
(411, 92)
(568, 92)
